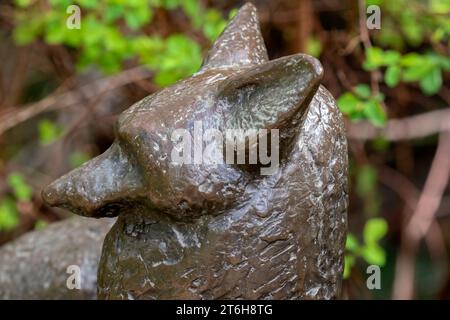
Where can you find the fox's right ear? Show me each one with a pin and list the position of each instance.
(273, 95)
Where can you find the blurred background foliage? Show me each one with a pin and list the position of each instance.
(113, 32)
(61, 90)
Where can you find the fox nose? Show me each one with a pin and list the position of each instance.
(99, 187)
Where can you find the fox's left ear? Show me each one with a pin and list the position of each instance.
(273, 95)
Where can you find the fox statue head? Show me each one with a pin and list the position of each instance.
(211, 227)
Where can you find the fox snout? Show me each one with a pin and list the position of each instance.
(95, 188)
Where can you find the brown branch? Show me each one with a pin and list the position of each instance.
(375, 75)
(408, 192)
(304, 24)
(422, 219)
(434, 188)
(66, 99)
(413, 127)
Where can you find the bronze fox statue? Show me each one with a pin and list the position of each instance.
(223, 231)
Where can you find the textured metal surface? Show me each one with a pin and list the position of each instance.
(199, 231)
(34, 266)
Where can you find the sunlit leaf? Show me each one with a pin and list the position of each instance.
(374, 230)
(48, 131)
(432, 82)
(9, 217)
(351, 243)
(374, 254)
(363, 91)
(393, 75)
(375, 113)
(347, 103)
(22, 191)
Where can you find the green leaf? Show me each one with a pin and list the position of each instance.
(374, 58)
(40, 224)
(387, 38)
(348, 103)
(232, 13)
(366, 179)
(375, 113)
(9, 217)
(393, 75)
(93, 32)
(193, 10)
(314, 46)
(22, 191)
(438, 35)
(351, 244)
(391, 57)
(379, 97)
(374, 2)
(413, 30)
(412, 59)
(416, 66)
(137, 17)
(440, 6)
(76, 159)
(363, 91)
(115, 42)
(55, 29)
(432, 82)
(23, 3)
(380, 144)
(374, 230)
(88, 4)
(349, 262)
(60, 4)
(181, 57)
(374, 254)
(132, 21)
(48, 131)
(113, 12)
(213, 24)
(171, 4)
(416, 73)
(443, 62)
(22, 35)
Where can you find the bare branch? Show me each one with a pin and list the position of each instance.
(422, 219)
(413, 127)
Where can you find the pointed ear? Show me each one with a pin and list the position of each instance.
(241, 43)
(274, 95)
